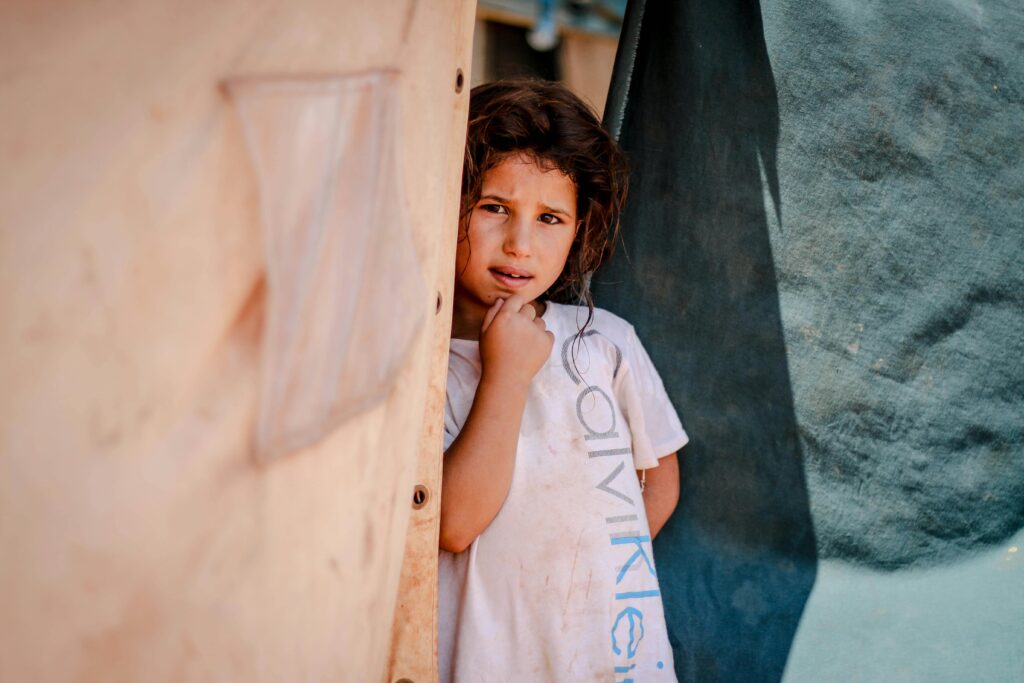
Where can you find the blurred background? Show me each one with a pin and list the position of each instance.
(573, 41)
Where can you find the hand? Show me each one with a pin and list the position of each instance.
(514, 342)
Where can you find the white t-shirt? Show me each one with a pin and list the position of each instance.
(562, 585)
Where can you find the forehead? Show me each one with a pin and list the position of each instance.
(520, 178)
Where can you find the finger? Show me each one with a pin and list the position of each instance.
(528, 312)
(515, 303)
(539, 322)
(491, 312)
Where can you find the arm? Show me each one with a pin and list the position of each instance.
(661, 492)
(478, 465)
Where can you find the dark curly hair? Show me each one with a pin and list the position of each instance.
(546, 121)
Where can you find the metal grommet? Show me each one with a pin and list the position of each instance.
(437, 308)
(419, 496)
(459, 80)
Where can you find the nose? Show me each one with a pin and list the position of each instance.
(517, 237)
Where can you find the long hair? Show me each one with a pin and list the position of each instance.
(547, 122)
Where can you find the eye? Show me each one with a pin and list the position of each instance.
(550, 219)
(494, 208)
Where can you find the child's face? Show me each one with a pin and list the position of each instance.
(519, 234)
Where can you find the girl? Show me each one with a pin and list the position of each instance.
(546, 572)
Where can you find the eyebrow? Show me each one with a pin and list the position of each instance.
(504, 200)
(497, 198)
(552, 209)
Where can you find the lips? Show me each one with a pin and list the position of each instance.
(512, 278)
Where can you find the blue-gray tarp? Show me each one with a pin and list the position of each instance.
(823, 251)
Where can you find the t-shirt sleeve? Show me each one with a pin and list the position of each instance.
(653, 421)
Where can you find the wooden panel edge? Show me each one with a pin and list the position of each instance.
(414, 631)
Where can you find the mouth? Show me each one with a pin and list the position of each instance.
(512, 278)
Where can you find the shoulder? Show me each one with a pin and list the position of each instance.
(572, 319)
(576, 317)
(605, 329)
(612, 326)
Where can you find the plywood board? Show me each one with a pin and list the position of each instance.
(140, 539)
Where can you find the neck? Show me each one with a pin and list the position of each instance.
(466, 323)
(467, 315)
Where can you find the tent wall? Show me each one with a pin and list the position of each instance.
(822, 251)
(139, 538)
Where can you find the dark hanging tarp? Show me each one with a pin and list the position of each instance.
(823, 250)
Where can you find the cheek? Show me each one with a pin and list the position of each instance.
(461, 253)
(555, 248)
(472, 242)
(479, 235)
(560, 244)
